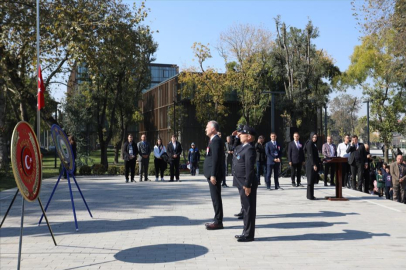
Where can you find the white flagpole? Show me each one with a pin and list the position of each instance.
(38, 65)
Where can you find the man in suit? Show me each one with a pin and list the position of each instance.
(130, 153)
(229, 154)
(329, 151)
(398, 173)
(261, 158)
(245, 180)
(296, 159)
(342, 152)
(214, 172)
(357, 161)
(174, 151)
(273, 160)
(144, 150)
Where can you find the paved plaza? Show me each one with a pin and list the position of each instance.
(160, 225)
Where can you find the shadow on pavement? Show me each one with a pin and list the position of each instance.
(346, 235)
(309, 215)
(162, 253)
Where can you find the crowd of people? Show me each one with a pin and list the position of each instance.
(363, 172)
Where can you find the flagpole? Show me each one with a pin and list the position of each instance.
(38, 66)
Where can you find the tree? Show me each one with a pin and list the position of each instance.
(205, 86)
(115, 83)
(374, 59)
(344, 109)
(303, 71)
(246, 51)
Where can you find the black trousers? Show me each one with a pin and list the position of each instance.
(193, 167)
(329, 168)
(345, 174)
(215, 193)
(275, 168)
(144, 168)
(174, 168)
(388, 193)
(357, 171)
(129, 166)
(159, 167)
(310, 191)
(249, 208)
(296, 170)
(367, 180)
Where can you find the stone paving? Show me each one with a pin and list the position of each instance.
(160, 225)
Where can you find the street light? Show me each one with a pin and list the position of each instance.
(367, 102)
(273, 106)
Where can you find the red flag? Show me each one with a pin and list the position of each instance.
(41, 91)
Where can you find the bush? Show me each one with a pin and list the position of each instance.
(85, 170)
(151, 170)
(99, 169)
(121, 170)
(112, 170)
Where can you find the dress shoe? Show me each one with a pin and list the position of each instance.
(171, 180)
(280, 188)
(299, 185)
(259, 183)
(238, 236)
(325, 184)
(333, 185)
(214, 226)
(241, 217)
(239, 214)
(293, 184)
(133, 180)
(245, 239)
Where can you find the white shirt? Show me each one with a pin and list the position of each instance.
(174, 145)
(158, 153)
(211, 138)
(342, 150)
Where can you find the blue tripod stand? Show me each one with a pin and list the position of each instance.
(71, 195)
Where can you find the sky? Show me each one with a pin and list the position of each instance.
(181, 23)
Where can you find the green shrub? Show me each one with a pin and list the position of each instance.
(85, 170)
(121, 170)
(99, 169)
(112, 170)
(151, 170)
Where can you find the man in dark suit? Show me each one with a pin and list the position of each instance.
(174, 150)
(130, 153)
(358, 161)
(261, 158)
(273, 160)
(144, 150)
(296, 159)
(214, 171)
(246, 182)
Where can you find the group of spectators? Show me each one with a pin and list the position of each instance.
(140, 152)
(364, 172)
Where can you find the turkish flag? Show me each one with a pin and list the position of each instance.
(41, 91)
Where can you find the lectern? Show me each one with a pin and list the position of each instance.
(339, 178)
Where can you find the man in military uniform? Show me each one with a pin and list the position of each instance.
(245, 180)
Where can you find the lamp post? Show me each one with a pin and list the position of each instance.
(273, 107)
(56, 120)
(367, 102)
(325, 121)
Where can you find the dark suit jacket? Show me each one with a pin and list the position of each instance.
(143, 148)
(171, 151)
(354, 152)
(272, 151)
(214, 163)
(295, 155)
(243, 166)
(126, 155)
(260, 148)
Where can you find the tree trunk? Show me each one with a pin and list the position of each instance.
(103, 154)
(3, 138)
(386, 153)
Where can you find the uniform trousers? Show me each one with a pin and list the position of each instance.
(249, 208)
